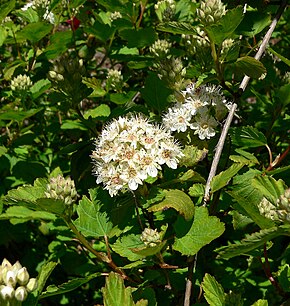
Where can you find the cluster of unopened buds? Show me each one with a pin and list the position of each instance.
(279, 211)
(15, 283)
(61, 188)
(150, 237)
(160, 48)
(211, 11)
(21, 83)
(172, 72)
(165, 9)
(201, 110)
(115, 79)
(129, 150)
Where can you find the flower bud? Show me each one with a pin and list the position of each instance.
(6, 263)
(31, 285)
(9, 278)
(150, 237)
(22, 276)
(21, 83)
(62, 189)
(6, 292)
(211, 11)
(21, 294)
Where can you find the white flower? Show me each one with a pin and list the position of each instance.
(205, 125)
(129, 150)
(178, 118)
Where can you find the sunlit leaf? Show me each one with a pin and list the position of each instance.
(91, 221)
(223, 178)
(71, 285)
(247, 137)
(178, 200)
(250, 67)
(203, 231)
(252, 242)
(213, 291)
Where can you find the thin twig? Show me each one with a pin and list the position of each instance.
(188, 287)
(242, 87)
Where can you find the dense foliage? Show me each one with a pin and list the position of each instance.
(111, 113)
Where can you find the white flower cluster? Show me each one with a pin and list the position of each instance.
(165, 9)
(129, 150)
(201, 111)
(41, 6)
(15, 283)
(21, 83)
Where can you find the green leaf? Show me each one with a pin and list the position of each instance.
(39, 88)
(18, 214)
(46, 269)
(73, 125)
(6, 8)
(91, 221)
(245, 158)
(54, 206)
(155, 93)
(247, 198)
(192, 155)
(122, 98)
(124, 245)
(59, 43)
(226, 25)
(222, 179)
(149, 251)
(253, 23)
(260, 303)
(68, 286)
(283, 94)
(197, 190)
(101, 31)
(203, 231)
(178, 200)
(213, 291)
(3, 35)
(284, 277)
(27, 195)
(247, 137)
(139, 38)
(102, 110)
(282, 58)
(34, 32)
(19, 116)
(269, 187)
(29, 15)
(96, 85)
(252, 242)
(177, 28)
(3, 150)
(250, 66)
(115, 293)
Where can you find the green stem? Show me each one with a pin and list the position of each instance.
(100, 256)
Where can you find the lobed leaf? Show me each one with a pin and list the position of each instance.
(203, 231)
(90, 221)
(71, 285)
(178, 200)
(250, 66)
(252, 242)
(213, 291)
(247, 137)
(222, 179)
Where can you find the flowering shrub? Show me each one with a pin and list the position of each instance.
(144, 152)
